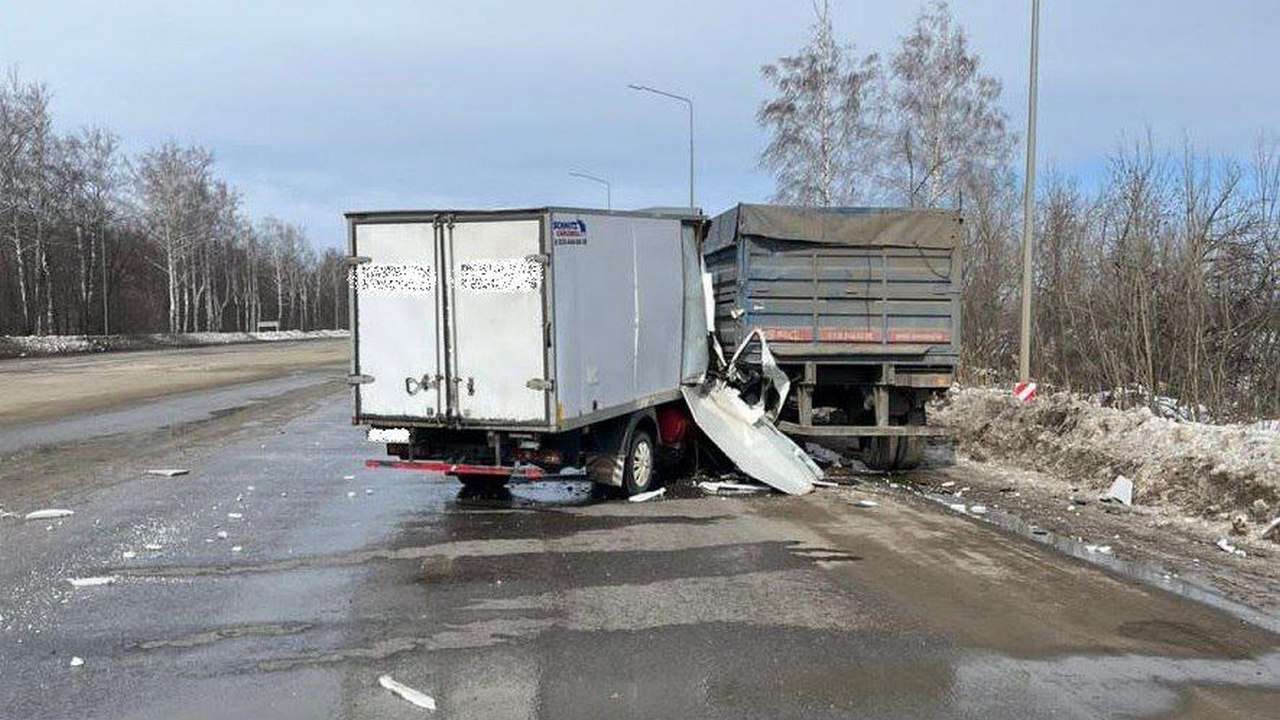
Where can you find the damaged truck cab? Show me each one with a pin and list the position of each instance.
(493, 344)
(860, 306)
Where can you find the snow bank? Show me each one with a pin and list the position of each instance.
(1202, 469)
(44, 345)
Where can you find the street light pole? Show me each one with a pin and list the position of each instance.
(608, 188)
(689, 103)
(1028, 201)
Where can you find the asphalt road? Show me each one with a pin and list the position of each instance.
(548, 602)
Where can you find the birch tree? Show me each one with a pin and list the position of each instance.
(823, 121)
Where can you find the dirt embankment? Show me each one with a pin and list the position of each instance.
(1208, 471)
(49, 345)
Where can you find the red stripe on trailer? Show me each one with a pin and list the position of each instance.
(455, 469)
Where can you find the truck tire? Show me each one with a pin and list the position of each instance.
(894, 453)
(637, 472)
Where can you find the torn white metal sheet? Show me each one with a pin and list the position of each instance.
(641, 497)
(757, 447)
(51, 514)
(769, 369)
(417, 697)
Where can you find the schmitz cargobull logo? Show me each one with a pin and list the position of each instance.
(569, 232)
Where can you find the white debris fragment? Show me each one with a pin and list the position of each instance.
(168, 472)
(153, 547)
(1098, 549)
(868, 503)
(128, 554)
(222, 534)
(1121, 491)
(417, 697)
(729, 488)
(822, 454)
(978, 509)
(76, 661)
(1271, 530)
(236, 548)
(1225, 546)
(641, 497)
(368, 491)
(947, 484)
(351, 493)
(235, 516)
(92, 581)
(957, 507)
(348, 477)
(824, 483)
(50, 514)
(250, 488)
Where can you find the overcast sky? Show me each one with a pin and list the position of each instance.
(315, 108)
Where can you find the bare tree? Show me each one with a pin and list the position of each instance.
(823, 121)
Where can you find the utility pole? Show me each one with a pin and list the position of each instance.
(688, 102)
(608, 187)
(106, 316)
(1029, 201)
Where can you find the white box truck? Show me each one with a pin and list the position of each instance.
(492, 344)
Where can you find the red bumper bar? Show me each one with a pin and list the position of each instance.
(455, 469)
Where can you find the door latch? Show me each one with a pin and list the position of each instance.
(471, 386)
(427, 382)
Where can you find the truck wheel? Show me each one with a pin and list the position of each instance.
(637, 473)
(894, 453)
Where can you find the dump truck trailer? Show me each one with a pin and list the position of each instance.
(860, 306)
(493, 344)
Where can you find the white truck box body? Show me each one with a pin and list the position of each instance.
(544, 319)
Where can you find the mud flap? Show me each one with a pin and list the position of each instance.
(743, 433)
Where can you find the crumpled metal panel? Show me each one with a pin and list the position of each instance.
(752, 442)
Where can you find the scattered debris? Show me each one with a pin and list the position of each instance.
(1271, 530)
(729, 488)
(1225, 546)
(417, 697)
(351, 493)
(153, 547)
(236, 548)
(128, 554)
(641, 497)
(92, 581)
(348, 477)
(368, 491)
(76, 661)
(49, 514)
(1098, 549)
(824, 483)
(235, 516)
(1240, 525)
(947, 484)
(978, 509)
(1121, 491)
(958, 507)
(823, 454)
(867, 503)
(222, 534)
(168, 472)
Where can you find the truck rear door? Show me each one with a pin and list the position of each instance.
(497, 335)
(397, 329)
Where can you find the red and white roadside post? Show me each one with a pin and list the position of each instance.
(1025, 391)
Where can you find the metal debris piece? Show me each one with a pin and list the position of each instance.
(1121, 491)
(1225, 546)
(49, 514)
(92, 581)
(957, 507)
(236, 548)
(641, 497)
(947, 484)
(978, 509)
(168, 472)
(1098, 549)
(868, 503)
(76, 661)
(824, 483)
(235, 516)
(1271, 530)
(417, 697)
(823, 454)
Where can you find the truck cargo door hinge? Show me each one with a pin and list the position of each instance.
(359, 379)
(359, 260)
(541, 384)
(542, 259)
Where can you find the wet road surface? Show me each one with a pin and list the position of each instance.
(551, 603)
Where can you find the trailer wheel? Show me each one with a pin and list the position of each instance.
(894, 453)
(637, 473)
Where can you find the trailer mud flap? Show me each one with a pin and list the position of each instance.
(744, 434)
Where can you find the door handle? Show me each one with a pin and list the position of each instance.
(471, 386)
(427, 382)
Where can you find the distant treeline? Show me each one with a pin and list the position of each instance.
(93, 241)
(1160, 278)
